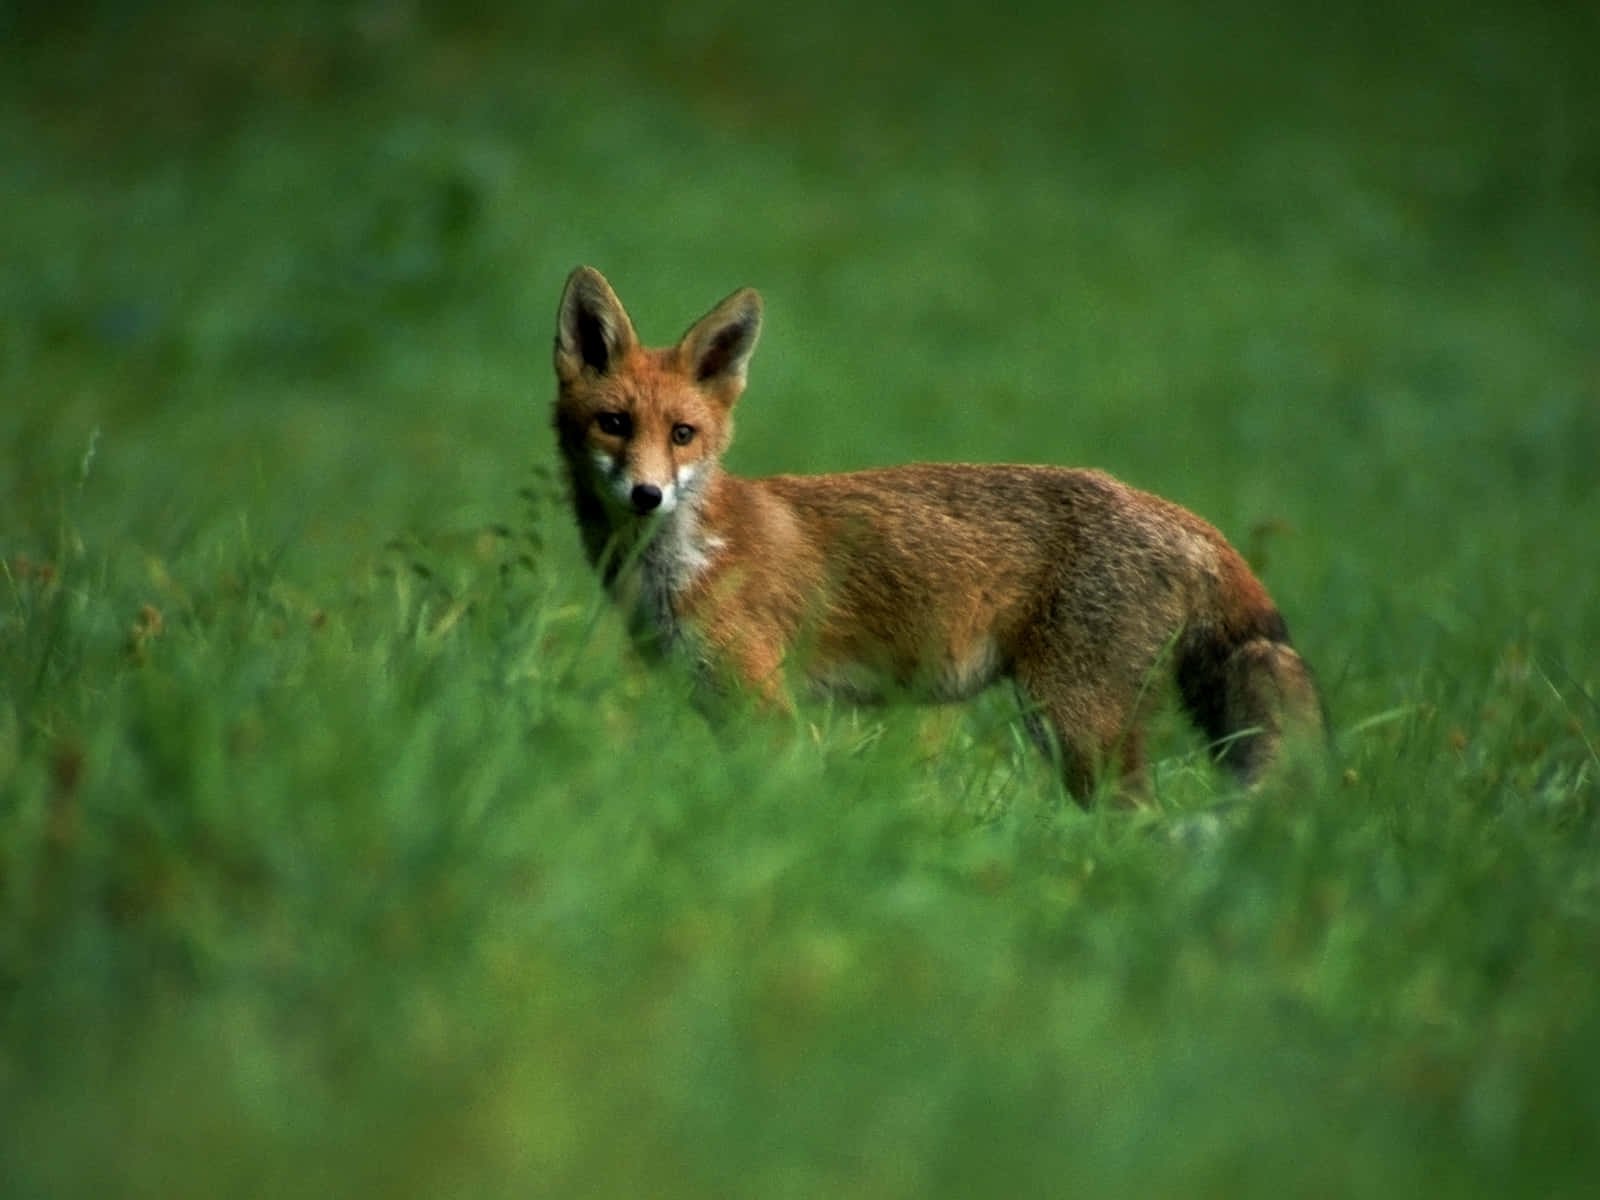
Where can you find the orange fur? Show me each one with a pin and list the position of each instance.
(929, 580)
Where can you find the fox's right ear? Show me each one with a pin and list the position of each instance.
(718, 346)
(592, 328)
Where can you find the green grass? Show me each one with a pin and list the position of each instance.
(345, 846)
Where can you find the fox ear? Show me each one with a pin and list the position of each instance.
(717, 348)
(592, 328)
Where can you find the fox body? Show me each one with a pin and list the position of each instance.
(928, 580)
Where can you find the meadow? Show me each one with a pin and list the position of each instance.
(347, 847)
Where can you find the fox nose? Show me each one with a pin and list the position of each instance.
(646, 497)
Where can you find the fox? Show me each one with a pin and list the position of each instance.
(930, 581)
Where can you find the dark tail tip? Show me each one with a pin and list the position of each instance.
(1247, 693)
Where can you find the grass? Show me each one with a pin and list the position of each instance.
(346, 847)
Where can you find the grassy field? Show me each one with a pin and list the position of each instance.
(347, 849)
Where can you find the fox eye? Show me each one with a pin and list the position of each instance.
(682, 434)
(613, 424)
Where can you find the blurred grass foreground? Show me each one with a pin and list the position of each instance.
(347, 849)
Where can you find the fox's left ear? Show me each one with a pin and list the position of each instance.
(717, 348)
(592, 328)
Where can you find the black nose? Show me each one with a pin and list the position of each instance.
(646, 497)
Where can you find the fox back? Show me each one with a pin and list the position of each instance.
(931, 580)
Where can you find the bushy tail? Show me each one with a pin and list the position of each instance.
(1249, 691)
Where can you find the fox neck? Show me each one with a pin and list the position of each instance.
(648, 561)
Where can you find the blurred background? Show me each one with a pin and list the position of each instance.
(1326, 271)
(319, 245)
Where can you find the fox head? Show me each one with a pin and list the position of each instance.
(642, 428)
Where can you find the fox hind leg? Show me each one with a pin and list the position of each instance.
(1077, 731)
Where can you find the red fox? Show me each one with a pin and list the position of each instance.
(928, 580)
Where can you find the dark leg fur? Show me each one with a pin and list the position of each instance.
(1075, 767)
(1080, 760)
